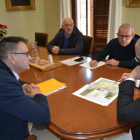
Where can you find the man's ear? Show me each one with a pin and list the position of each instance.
(62, 26)
(11, 58)
(133, 35)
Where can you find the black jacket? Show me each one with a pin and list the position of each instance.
(16, 108)
(128, 110)
(75, 44)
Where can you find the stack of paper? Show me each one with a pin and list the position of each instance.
(51, 86)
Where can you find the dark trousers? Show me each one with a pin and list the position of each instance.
(136, 132)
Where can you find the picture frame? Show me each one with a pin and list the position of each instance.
(132, 3)
(20, 5)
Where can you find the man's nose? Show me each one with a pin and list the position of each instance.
(124, 38)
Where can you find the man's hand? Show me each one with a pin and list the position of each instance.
(124, 76)
(55, 50)
(112, 62)
(93, 63)
(31, 89)
(135, 73)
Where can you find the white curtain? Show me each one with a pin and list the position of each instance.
(115, 16)
(65, 9)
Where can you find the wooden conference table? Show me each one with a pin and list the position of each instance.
(74, 118)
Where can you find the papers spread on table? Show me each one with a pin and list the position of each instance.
(70, 61)
(102, 91)
(51, 86)
(87, 65)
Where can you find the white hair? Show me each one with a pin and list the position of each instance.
(67, 18)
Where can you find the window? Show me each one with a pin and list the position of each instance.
(83, 16)
(91, 18)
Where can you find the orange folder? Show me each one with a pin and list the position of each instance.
(51, 86)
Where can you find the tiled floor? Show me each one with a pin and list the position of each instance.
(43, 134)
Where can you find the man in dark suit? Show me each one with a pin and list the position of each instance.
(17, 106)
(128, 110)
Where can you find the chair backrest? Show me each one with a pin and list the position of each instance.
(87, 45)
(42, 39)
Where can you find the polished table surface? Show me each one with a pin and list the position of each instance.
(73, 117)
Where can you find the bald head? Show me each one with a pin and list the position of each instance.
(126, 26)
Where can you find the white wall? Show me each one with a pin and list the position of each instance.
(132, 16)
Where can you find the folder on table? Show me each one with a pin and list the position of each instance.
(51, 86)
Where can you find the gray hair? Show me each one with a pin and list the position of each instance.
(9, 45)
(67, 18)
(126, 26)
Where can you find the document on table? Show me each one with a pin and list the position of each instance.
(50, 86)
(87, 65)
(102, 91)
(70, 61)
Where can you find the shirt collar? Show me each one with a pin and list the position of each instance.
(16, 75)
(65, 35)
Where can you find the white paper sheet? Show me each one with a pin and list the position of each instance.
(70, 61)
(102, 91)
(100, 63)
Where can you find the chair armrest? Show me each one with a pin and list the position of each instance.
(32, 137)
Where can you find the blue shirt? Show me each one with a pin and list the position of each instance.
(66, 40)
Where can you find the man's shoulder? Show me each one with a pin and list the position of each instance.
(76, 31)
(113, 42)
(133, 41)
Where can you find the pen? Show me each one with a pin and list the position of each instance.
(117, 81)
(120, 79)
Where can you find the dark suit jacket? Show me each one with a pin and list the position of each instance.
(16, 108)
(128, 110)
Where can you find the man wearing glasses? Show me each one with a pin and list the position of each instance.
(120, 50)
(17, 106)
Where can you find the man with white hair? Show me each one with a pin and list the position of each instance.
(69, 40)
(120, 50)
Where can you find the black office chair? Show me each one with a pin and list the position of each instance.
(87, 45)
(42, 39)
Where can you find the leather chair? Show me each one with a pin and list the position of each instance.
(42, 39)
(32, 137)
(87, 45)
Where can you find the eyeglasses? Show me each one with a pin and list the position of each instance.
(27, 53)
(122, 36)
